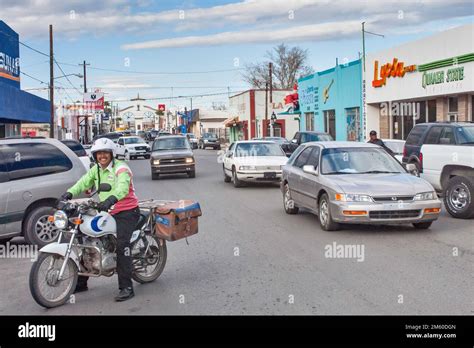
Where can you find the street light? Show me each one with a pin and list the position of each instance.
(78, 75)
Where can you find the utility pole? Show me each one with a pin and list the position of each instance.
(264, 131)
(270, 68)
(51, 83)
(86, 135)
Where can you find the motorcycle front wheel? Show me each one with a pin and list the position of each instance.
(147, 268)
(45, 287)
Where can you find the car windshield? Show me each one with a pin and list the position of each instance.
(395, 146)
(209, 135)
(358, 161)
(258, 149)
(321, 137)
(133, 140)
(466, 134)
(170, 144)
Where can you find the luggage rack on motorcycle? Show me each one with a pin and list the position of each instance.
(152, 203)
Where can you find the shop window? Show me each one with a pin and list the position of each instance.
(452, 104)
(309, 121)
(352, 119)
(407, 125)
(330, 122)
(421, 118)
(397, 127)
(431, 110)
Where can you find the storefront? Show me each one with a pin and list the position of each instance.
(331, 101)
(427, 80)
(16, 106)
(251, 120)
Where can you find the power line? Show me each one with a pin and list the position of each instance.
(34, 78)
(181, 96)
(67, 78)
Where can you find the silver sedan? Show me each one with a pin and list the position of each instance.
(348, 182)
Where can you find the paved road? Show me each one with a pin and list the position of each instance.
(251, 258)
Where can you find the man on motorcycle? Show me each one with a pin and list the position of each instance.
(125, 208)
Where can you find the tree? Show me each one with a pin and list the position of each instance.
(288, 66)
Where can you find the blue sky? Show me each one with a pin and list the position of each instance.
(204, 36)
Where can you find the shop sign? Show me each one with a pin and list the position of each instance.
(394, 69)
(436, 77)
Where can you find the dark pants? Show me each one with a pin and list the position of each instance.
(126, 222)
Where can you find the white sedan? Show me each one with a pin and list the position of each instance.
(132, 147)
(253, 161)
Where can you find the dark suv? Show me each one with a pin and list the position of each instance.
(209, 140)
(443, 133)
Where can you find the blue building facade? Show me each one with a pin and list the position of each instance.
(16, 106)
(331, 101)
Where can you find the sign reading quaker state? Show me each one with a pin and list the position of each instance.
(9, 56)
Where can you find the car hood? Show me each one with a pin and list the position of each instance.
(136, 145)
(381, 184)
(172, 153)
(262, 161)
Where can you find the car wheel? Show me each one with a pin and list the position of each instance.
(288, 202)
(219, 147)
(422, 225)
(325, 218)
(226, 177)
(155, 176)
(38, 230)
(192, 174)
(458, 197)
(235, 180)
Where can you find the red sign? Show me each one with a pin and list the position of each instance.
(94, 101)
(161, 107)
(395, 69)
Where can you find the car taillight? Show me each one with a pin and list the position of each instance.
(420, 158)
(404, 151)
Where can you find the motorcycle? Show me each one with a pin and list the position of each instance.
(91, 250)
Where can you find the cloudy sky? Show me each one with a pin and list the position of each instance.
(191, 48)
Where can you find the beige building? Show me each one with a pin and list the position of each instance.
(139, 116)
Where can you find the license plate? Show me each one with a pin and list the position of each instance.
(269, 175)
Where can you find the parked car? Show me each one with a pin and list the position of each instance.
(253, 161)
(114, 136)
(34, 172)
(192, 140)
(132, 147)
(209, 140)
(304, 137)
(356, 183)
(396, 146)
(162, 133)
(141, 134)
(283, 142)
(80, 151)
(151, 135)
(444, 156)
(172, 154)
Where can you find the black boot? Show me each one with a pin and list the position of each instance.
(125, 294)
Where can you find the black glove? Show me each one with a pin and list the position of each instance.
(66, 196)
(107, 204)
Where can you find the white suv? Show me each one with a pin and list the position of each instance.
(132, 147)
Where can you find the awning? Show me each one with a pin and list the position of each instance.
(232, 121)
(19, 105)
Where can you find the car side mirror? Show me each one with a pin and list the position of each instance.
(294, 141)
(310, 170)
(230, 155)
(411, 168)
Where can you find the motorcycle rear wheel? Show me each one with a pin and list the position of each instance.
(43, 280)
(155, 262)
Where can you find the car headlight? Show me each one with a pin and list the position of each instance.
(247, 168)
(189, 160)
(425, 196)
(156, 162)
(349, 197)
(60, 219)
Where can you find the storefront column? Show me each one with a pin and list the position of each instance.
(463, 108)
(441, 109)
(385, 127)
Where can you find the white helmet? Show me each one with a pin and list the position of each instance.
(103, 144)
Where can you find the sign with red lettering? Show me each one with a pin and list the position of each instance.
(394, 69)
(94, 101)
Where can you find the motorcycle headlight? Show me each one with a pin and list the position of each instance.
(425, 196)
(349, 197)
(247, 168)
(60, 219)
